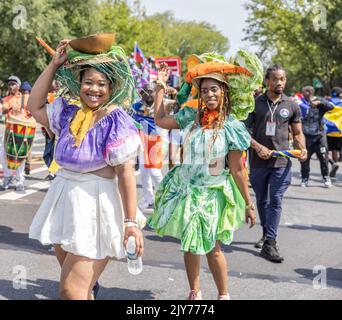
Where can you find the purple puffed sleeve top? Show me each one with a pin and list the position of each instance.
(111, 141)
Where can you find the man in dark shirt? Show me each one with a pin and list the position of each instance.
(270, 177)
(313, 111)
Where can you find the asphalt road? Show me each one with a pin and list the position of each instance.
(310, 239)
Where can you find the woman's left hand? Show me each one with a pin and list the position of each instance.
(163, 72)
(250, 216)
(139, 239)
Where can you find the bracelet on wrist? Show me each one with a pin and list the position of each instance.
(161, 84)
(130, 224)
(126, 220)
(250, 206)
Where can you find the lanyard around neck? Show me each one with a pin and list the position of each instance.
(274, 110)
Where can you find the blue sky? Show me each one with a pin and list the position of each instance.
(228, 16)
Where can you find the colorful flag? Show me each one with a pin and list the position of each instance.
(138, 54)
(333, 119)
(286, 153)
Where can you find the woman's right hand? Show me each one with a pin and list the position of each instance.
(60, 56)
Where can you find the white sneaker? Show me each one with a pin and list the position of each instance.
(20, 186)
(304, 183)
(7, 181)
(223, 297)
(193, 295)
(327, 182)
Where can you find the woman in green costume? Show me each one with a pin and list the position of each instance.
(199, 201)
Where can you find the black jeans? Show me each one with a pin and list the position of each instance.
(318, 145)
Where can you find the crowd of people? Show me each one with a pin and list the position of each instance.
(113, 114)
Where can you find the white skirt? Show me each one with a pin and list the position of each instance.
(83, 213)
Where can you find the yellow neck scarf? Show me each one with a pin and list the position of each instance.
(81, 124)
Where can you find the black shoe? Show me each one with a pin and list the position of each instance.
(50, 177)
(260, 243)
(333, 170)
(270, 251)
(96, 289)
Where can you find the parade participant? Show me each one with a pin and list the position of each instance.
(334, 133)
(313, 111)
(25, 89)
(90, 209)
(136, 73)
(19, 134)
(270, 177)
(155, 140)
(199, 201)
(50, 137)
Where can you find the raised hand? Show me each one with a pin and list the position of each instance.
(163, 72)
(60, 56)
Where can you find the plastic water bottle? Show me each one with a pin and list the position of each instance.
(134, 262)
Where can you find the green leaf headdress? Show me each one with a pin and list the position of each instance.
(113, 64)
(241, 84)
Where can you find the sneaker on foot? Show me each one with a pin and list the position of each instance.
(304, 183)
(270, 251)
(50, 177)
(327, 182)
(20, 186)
(7, 181)
(260, 243)
(223, 297)
(193, 295)
(333, 170)
(27, 170)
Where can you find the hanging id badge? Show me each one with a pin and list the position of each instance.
(270, 128)
(271, 125)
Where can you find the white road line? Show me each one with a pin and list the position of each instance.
(33, 188)
(40, 169)
(13, 195)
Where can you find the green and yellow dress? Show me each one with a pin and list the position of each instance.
(191, 203)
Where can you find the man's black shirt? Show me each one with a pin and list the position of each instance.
(286, 113)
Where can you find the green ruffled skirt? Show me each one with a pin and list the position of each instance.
(198, 214)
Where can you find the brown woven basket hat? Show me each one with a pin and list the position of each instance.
(94, 44)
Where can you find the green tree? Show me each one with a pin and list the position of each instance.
(294, 34)
(53, 20)
(49, 19)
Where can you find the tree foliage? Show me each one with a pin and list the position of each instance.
(305, 36)
(53, 20)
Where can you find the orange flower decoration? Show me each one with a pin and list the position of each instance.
(209, 117)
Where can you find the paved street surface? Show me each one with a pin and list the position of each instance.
(310, 239)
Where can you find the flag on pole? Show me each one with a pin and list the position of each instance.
(138, 54)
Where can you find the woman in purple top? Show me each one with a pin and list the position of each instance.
(90, 209)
